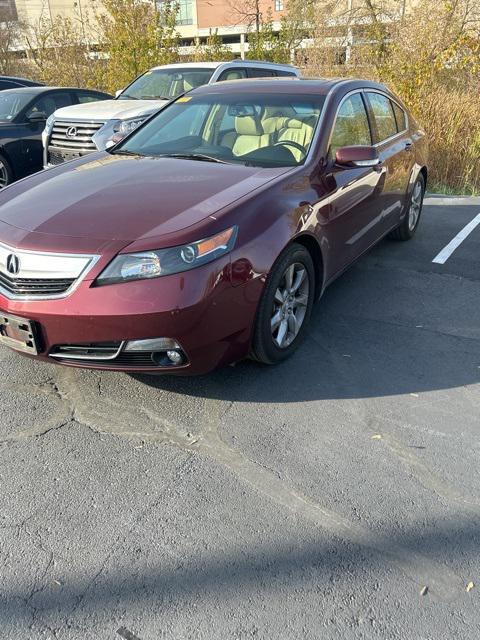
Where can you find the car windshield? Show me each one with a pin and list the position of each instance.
(11, 103)
(269, 130)
(166, 83)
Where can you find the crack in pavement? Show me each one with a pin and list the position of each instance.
(108, 415)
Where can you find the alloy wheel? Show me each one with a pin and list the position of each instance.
(415, 206)
(3, 175)
(290, 305)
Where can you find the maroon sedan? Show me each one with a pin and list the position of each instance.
(208, 233)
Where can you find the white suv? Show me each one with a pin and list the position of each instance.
(80, 129)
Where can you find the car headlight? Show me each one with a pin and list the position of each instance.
(153, 264)
(127, 126)
(49, 124)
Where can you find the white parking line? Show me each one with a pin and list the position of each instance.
(447, 251)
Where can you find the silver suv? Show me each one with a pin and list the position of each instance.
(81, 129)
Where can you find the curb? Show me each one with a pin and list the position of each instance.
(439, 199)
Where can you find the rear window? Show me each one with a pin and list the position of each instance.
(400, 117)
(384, 117)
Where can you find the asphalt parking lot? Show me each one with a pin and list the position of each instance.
(336, 496)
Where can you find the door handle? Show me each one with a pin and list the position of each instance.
(408, 146)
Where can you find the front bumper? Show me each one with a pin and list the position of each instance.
(201, 310)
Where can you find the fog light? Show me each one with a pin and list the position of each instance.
(175, 357)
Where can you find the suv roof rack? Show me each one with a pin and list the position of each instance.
(267, 62)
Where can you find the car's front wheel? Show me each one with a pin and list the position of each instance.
(409, 225)
(285, 307)
(5, 172)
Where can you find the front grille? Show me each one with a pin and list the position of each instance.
(55, 157)
(91, 352)
(82, 140)
(108, 355)
(34, 286)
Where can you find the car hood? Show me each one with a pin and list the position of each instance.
(104, 198)
(109, 110)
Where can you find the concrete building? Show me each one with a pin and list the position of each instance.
(229, 19)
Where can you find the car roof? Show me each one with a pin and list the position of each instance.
(26, 81)
(43, 89)
(216, 64)
(300, 86)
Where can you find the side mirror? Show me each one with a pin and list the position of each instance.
(118, 93)
(358, 156)
(37, 116)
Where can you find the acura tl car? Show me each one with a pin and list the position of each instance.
(208, 233)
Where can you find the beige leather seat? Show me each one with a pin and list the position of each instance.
(299, 131)
(275, 118)
(250, 136)
(191, 82)
(233, 75)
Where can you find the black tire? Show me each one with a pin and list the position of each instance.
(264, 348)
(6, 174)
(406, 231)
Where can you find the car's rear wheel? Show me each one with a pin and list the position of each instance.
(285, 307)
(409, 225)
(5, 172)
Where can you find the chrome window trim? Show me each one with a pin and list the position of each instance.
(92, 260)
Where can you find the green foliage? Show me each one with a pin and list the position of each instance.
(213, 50)
(135, 36)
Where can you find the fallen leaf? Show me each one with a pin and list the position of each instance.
(424, 591)
(414, 395)
(377, 436)
(469, 586)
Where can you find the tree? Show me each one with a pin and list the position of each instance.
(58, 52)
(134, 35)
(214, 49)
(10, 30)
(247, 12)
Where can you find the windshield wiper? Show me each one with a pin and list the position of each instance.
(194, 156)
(126, 152)
(127, 95)
(153, 98)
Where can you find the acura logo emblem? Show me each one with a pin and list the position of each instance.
(71, 132)
(13, 264)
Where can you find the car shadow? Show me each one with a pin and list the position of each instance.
(378, 331)
(244, 570)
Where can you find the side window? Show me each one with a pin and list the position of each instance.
(83, 97)
(383, 114)
(283, 74)
(351, 126)
(7, 84)
(260, 73)
(400, 117)
(232, 74)
(51, 102)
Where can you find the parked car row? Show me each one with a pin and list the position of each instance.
(208, 232)
(45, 126)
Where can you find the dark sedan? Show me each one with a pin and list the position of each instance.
(23, 113)
(208, 233)
(12, 82)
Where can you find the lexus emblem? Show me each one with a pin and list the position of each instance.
(13, 264)
(71, 132)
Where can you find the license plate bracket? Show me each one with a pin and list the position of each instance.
(18, 333)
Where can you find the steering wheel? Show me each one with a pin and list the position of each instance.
(293, 144)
